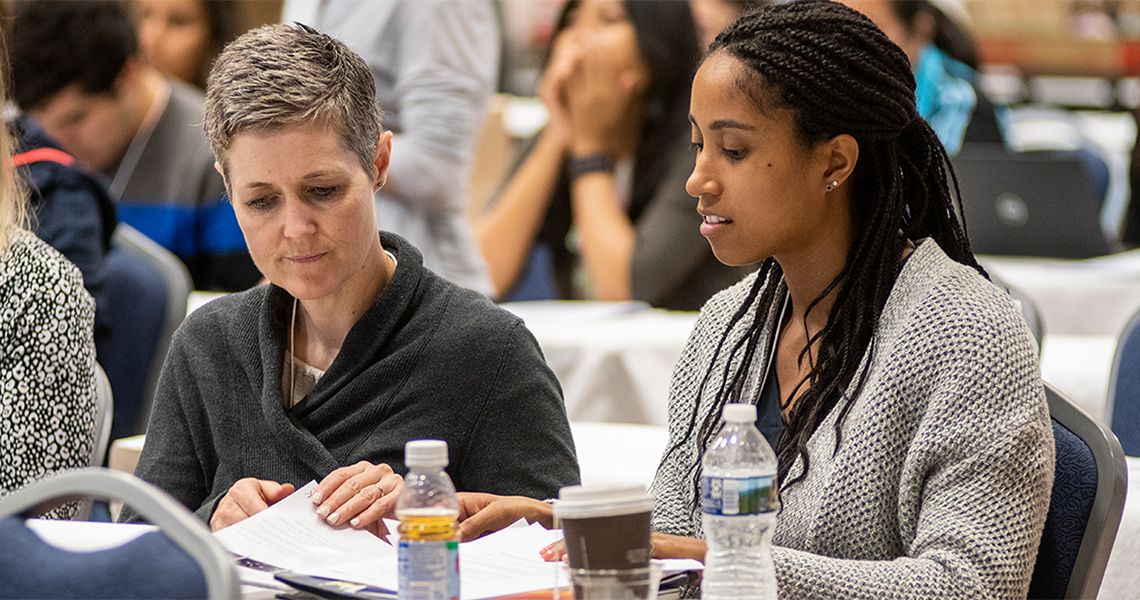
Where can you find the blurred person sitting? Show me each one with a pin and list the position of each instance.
(712, 16)
(75, 70)
(71, 212)
(47, 353)
(934, 35)
(599, 199)
(183, 37)
(436, 65)
(354, 347)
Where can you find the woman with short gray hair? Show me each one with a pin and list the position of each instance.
(353, 348)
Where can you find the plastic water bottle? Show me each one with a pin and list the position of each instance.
(428, 511)
(738, 486)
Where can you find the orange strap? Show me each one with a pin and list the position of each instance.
(43, 155)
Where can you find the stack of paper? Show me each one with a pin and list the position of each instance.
(290, 535)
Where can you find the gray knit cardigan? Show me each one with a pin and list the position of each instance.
(941, 483)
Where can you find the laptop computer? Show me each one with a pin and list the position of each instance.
(1029, 203)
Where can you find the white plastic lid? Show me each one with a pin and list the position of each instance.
(738, 412)
(610, 500)
(425, 453)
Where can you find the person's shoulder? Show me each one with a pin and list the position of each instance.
(224, 315)
(185, 100)
(934, 280)
(949, 307)
(471, 312)
(36, 265)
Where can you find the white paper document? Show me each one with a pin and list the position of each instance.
(291, 536)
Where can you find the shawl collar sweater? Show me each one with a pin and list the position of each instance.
(941, 484)
(427, 360)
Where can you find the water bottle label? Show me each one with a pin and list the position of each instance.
(429, 570)
(727, 496)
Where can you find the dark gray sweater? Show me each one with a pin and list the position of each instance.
(428, 360)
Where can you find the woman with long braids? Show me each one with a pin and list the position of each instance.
(915, 454)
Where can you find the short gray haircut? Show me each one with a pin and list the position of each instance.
(284, 75)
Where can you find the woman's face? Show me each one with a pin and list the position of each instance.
(304, 204)
(604, 25)
(174, 35)
(760, 192)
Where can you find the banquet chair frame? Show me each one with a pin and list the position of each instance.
(1108, 504)
(154, 505)
(104, 413)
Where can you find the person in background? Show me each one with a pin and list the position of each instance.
(436, 65)
(1131, 232)
(915, 452)
(354, 347)
(712, 16)
(47, 349)
(182, 37)
(940, 47)
(71, 212)
(597, 204)
(75, 70)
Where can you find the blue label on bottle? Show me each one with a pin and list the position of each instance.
(429, 570)
(730, 496)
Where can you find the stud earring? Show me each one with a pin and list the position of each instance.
(831, 186)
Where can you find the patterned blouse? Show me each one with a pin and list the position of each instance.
(47, 366)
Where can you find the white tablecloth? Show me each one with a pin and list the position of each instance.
(615, 360)
(1086, 297)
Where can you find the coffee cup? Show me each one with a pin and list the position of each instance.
(605, 526)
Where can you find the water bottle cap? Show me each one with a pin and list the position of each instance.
(425, 454)
(738, 412)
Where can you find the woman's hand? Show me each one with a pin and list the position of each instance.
(676, 546)
(246, 498)
(664, 546)
(564, 56)
(600, 93)
(359, 495)
(480, 514)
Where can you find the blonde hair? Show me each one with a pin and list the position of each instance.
(13, 202)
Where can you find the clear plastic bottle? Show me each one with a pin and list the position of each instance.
(428, 511)
(738, 488)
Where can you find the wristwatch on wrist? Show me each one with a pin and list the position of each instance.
(589, 163)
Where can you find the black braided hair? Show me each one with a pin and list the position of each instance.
(839, 74)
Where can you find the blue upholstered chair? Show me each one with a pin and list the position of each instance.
(1124, 389)
(180, 560)
(1085, 506)
(147, 287)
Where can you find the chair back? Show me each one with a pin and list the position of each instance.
(149, 566)
(147, 288)
(1124, 389)
(1085, 507)
(104, 415)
